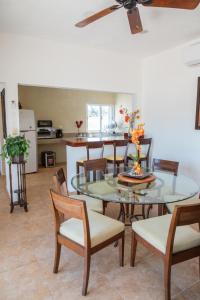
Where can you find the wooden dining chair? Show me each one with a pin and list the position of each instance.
(90, 146)
(85, 232)
(117, 159)
(61, 188)
(144, 156)
(170, 237)
(167, 166)
(96, 166)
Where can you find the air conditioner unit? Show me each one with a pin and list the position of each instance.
(191, 54)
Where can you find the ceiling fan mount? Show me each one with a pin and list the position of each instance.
(133, 11)
(130, 4)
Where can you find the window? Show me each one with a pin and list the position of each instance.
(99, 117)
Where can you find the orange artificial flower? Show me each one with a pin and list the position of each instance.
(127, 118)
(137, 168)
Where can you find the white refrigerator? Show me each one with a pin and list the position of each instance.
(27, 126)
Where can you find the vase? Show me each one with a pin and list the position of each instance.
(18, 158)
(130, 129)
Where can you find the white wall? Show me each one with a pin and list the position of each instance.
(169, 104)
(28, 60)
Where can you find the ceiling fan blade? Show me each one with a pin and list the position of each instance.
(134, 20)
(184, 4)
(98, 15)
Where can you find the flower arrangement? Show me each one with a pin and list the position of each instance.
(129, 117)
(137, 133)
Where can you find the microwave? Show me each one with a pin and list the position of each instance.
(45, 123)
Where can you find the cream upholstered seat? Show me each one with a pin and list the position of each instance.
(155, 232)
(91, 203)
(118, 158)
(101, 227)
(142, 155)
(193, 200)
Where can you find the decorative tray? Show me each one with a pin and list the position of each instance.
(131, 177)
(131, 174)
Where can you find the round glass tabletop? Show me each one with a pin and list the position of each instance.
(166, 188)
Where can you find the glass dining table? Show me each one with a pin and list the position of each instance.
(162, 189)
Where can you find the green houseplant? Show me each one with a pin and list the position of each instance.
(15, 148)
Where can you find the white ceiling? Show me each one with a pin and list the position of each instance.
(55, 19)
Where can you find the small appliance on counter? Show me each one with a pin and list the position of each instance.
(45, 130)
(59, 133)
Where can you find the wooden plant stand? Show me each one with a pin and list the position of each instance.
(21, 186)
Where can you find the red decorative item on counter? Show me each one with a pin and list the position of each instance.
(79, 124)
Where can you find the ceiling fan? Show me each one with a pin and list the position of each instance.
(133, 12)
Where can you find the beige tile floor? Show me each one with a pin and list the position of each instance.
(26, 258)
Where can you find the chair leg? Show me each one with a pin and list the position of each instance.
(104, 207)
(165, 210)
(57, 257)
(77, 172)
(121, 252)
(127, 209)
(118, 168)
(143, 211)
(160, 209)
(86, 274)
(167, 280)
(148, 210)
(133, 249)
(132, 209)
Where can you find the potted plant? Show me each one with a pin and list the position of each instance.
(15, 149)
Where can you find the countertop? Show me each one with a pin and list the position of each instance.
(82, 141)
(50, 141)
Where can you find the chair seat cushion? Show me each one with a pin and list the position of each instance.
(118, 158)
(102, 228)
(155, 232)
(132, 156)
(193, 200)
(91, 203)
(81, 161)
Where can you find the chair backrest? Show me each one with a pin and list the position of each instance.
(94, 165)
(147, 142)
(60, 182)
(165, 165)
(95, 145)
(122, 143)
(73, 208)
(182, 215)
(187, 214)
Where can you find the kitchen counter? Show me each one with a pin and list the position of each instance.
(50, 141)
(82, 141)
